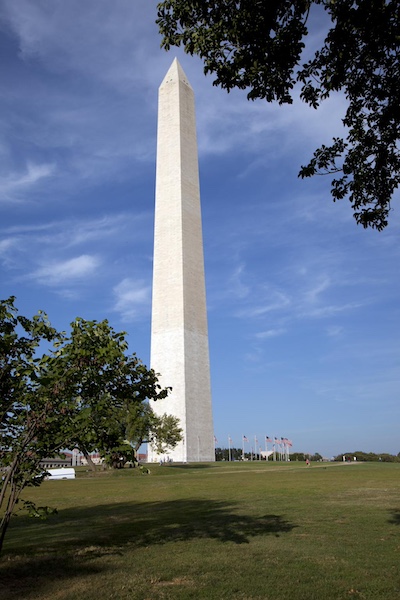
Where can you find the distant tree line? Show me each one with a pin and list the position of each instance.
(369, 456)
(303, 456)
(223, 454)
(237, 454)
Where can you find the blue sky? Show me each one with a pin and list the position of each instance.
(303, 305)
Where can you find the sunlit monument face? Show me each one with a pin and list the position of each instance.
(179, 336)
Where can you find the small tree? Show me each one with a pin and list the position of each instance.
(110, 390)
(165, 433)
(317, 457)
(80, 392)
(298, 456)
(32, 410)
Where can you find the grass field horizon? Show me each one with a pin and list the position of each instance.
(253, 531)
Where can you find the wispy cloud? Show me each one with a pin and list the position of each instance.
(6, 245)
(312, 295)
(79, 86)
(13, 184)
(102, 35)
(75, 232)
(131, 299)
(330, 310)
(275, 300)
(270, 333)
(102, 39)
(334, 330)
(7, 254)
(265, 131)
(236, 287)
(59, 273)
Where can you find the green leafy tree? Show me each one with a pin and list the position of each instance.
(235, 454)
(165, 432)
(144, 426)
(77, 393)
(368, 456)
(33, 424)
(128, 426)
(258, 46)
(296, 456)
(317, 457)
(110, 389)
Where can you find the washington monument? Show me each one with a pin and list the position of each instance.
(179, 336)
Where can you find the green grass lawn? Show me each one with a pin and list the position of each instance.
(237, 531)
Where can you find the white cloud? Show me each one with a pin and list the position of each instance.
(270, 333)
(132, 298)
(320, 286)
(116, 226)
(13, 184)
(115, 229)
(277, 301)
(268, 132)
(57, 273)
(109, 53)
(330, 310)
(5, 245)
(236, 287)
(95, 43)
(7, 255)
(334, 330)
(84, 77)
(274, 300)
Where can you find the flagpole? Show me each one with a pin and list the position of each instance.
(229, 446)
(290, 444)
(268, 439)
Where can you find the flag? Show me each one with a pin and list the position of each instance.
(245, 439)
(215, 439)
(229, 439)
(268, 439)
(277, 441)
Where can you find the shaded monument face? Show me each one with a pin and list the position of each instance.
(179, 336)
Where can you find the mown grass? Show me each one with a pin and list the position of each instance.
(237, 531)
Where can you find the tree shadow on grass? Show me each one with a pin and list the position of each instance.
(24, 577)
(66, 544)
(144, 524)
(395, 519)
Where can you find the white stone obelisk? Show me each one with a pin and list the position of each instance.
(179, 335)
